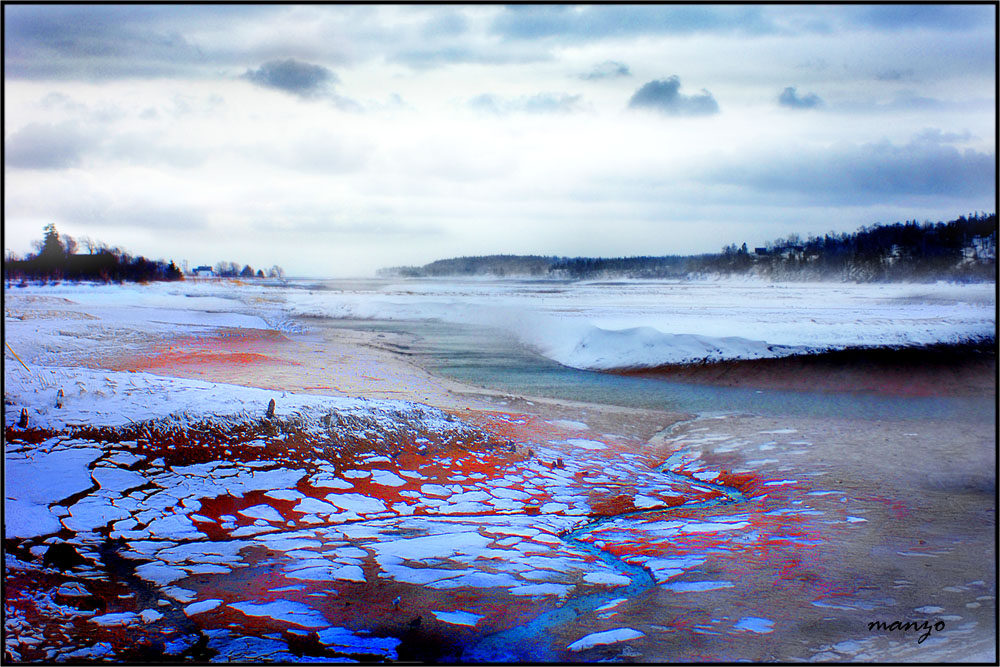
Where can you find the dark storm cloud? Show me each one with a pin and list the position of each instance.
(526, 22)
(293, 76)
(790, 98)
(609, 69)
(664, 95)
(538, 103)
(47, 146)
(882, 172)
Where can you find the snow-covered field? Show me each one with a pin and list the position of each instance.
(154, 517)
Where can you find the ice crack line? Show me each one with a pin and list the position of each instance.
(525, 643)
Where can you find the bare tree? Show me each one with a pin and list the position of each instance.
(93, 245)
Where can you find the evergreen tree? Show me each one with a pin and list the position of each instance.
(52, 246)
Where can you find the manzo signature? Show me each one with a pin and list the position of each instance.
(906, 626)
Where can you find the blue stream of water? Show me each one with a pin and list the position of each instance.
(525, 643)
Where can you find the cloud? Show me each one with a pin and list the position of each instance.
(592, 22)
(47, 146)
(422, 57)
(538, 103)
(293, 76)
(883, 172)
(931, 16)
(789, 98)
(664, 95)
(609, 69)
(312, 150)
(110, 41)
(894, 74)
(910, 101)
(933, 135)
(156, 216)
(445, 24)
(318, 224)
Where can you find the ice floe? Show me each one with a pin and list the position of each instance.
(606, 637)
(756, 624)
(284, 610)
(458, 617)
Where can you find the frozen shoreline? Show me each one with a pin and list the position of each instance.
(388, 523)
(588, 326)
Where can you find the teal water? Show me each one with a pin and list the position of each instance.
(491, 358)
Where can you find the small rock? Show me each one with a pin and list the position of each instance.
(73, 589)
(23, 421)
(62, 556)
(270, 410)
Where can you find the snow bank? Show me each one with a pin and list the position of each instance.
(630, 325)
(108, 398)
(646, 347)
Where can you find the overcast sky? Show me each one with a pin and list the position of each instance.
(334, 140)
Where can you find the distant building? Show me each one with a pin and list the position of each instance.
(760, 251)
(203, 272)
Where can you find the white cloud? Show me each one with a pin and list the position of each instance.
(177, 143)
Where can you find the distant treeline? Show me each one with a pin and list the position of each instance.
(57, 259)
(233, 270)
(961, 250)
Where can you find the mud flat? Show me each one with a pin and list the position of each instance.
(380, 530)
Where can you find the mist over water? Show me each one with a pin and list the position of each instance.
(511, 335)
